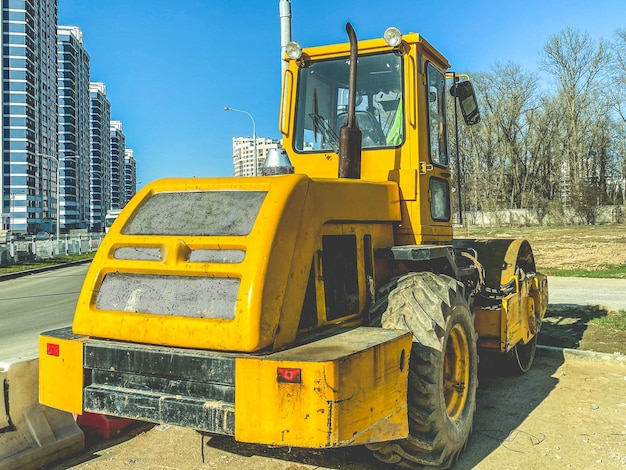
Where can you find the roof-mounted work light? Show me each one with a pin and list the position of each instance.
(393, 36)
(293, 50)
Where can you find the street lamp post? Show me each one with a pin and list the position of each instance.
(255, 159)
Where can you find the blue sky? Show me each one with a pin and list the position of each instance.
(170, 67)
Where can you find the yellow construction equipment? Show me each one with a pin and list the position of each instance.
(323, 304)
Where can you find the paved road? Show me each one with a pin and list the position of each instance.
(36, 303)
(586, 291)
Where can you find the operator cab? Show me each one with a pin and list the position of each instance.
(401, 110)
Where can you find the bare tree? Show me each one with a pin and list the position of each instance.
(544, 147)
(579, 66)
(481, 159)
(512, 95)
(619, 75)
(619, 104)
(550, 149)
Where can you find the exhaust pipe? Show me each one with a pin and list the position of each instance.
(285, 29)
(350, 134)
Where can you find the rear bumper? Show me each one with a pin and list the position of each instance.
(184, 387)
(352, 387)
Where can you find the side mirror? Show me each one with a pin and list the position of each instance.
(464, 92)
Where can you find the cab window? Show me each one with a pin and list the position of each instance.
(436, 116)
(323, 102)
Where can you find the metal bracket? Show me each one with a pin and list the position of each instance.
(425, 168)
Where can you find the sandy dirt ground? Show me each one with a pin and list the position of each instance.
(573, 247)
(561, 414)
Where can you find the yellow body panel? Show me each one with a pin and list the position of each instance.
(523, 311)
(519, 318)
(352, 391)
(382, 236)
(273, 273)
(489, 324)
(61, 376)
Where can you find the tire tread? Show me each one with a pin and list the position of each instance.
(424, 303)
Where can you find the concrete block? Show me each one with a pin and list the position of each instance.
(34, 435)
(4, 414)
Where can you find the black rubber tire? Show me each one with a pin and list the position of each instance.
(432, 306)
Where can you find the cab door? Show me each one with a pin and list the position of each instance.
(434, 164)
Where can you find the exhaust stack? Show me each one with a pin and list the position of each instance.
(284, 7)
(350, 134)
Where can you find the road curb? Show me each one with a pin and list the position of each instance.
(28, 272)
(581, 355)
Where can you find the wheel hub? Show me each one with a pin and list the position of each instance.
(456, 372)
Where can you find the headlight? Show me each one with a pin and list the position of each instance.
(293, 50)
(393, 36)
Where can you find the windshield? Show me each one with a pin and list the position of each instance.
(323, 102)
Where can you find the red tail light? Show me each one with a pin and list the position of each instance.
(288, 375)
(52, 349)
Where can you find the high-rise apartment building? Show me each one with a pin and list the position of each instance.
(28, 172)
(118, 149)
(58, 145)
(73, 132)
(130, 175)
(100, 142)
(243, 154)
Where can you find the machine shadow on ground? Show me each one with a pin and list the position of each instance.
(564, 325)
(95, 444)
(504, 401)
